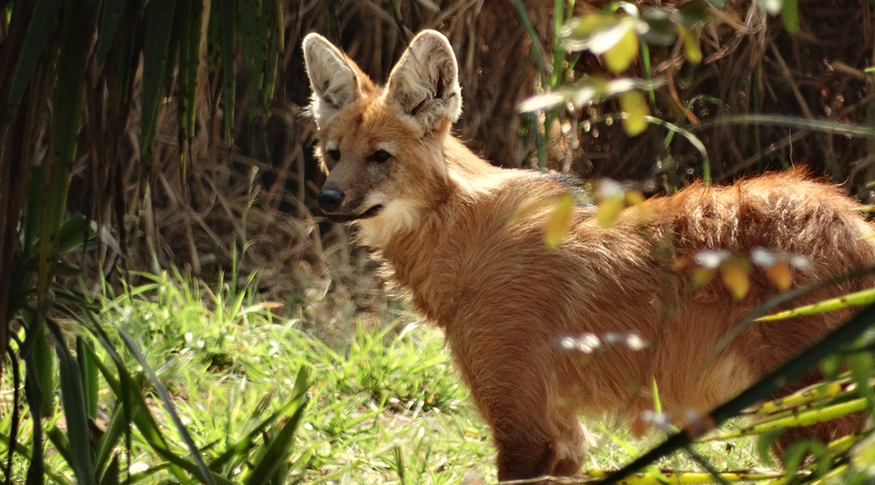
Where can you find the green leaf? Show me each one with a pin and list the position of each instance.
(790, 15)
(72, 234)
(764, 444)
(77, 33)
(694, 140)
(862, 366)
(61, 443)
(45, 15)
(27, 454)
(73, 397)
(33, 395)
(89, 376)
(111, 437)
(32, 216)
(111, 475)
(109, 20)
(577, 33)
(826, 126)
(44, 362)
(127, 390)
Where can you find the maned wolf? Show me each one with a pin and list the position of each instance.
(466, 240)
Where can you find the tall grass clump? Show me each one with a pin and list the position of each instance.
(186, 373)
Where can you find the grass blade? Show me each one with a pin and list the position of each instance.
(826, 126)
(89, 376)
(244, 443)
(109, 21)
(45, 14)
(168, 406)
(134, 405)
(34, 396)
(274, 456)
(73, 397)
(111, 437)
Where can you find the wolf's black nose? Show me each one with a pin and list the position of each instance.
(330, 198)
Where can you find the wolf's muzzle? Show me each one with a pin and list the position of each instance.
(330, 198)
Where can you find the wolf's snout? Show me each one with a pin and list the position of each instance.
(330, 198)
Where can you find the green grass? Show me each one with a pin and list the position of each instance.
(385, 408)
(375, 407)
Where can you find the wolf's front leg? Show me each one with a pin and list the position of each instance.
(514, 387)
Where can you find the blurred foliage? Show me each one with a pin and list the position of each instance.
(133, 111)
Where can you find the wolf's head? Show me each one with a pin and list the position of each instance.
(382, 147)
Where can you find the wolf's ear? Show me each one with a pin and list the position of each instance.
(425, 82)
(334, 82)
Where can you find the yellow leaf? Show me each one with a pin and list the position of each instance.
(633, 197)
(559, 222)
(691, 44)
(624, 51)
(735, 277)
(609, 210)
(637, 199)
(702, 276)
(781, 275)
(634, 106)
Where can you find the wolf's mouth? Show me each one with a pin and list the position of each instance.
(373, 211)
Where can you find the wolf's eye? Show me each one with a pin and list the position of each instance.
(380, 156)
(334, 155)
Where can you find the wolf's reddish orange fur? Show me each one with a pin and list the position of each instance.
(466, 240)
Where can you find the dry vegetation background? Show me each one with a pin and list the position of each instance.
(258, 194)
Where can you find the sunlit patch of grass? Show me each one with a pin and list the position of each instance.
(229, 361)
(386, 407)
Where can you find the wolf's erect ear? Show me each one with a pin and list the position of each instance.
(334, 82)
(425, 82)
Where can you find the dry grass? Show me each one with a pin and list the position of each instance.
(259, 192)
